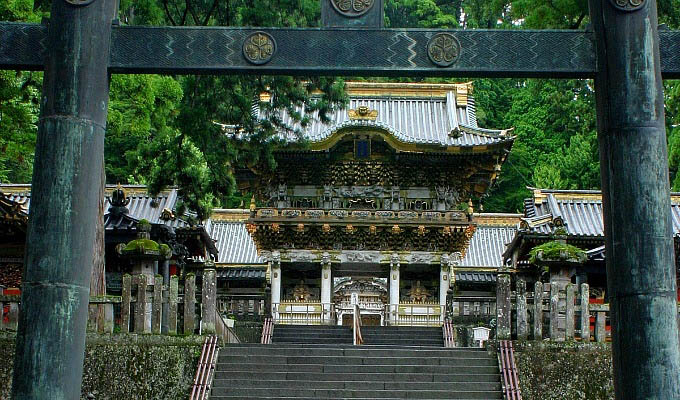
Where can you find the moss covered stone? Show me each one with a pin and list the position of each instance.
(556, 251)
(559, 371)
(141, 246)
(126, 366)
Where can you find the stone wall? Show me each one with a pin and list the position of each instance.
(127, 366)
(564, 371)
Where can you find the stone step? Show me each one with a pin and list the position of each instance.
(360, 385)
(339, 368)
(353, 351)
(346, 360)
(359, 377)
(352, 394)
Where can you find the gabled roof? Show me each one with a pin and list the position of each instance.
(12, 211)
(141, 205)
(441, 115)
(493, 233)
(578, 211)
(234, 244)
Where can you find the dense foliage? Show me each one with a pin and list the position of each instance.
(171, 130)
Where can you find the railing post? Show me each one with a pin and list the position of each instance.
(13, 316)
(522, 329)
(141, 325)
(173, 298)
(157, 306)
(569, 317)
(538, 311)
(555, 312)
(92, 313)
(125, 304)
(108, 320)
(503, 310)
(585, 313)
(208, 301)
(600, 327)
(189, 304)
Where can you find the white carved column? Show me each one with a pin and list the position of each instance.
(444, 274)
(394, 288)
(326, 287)
(276, 283)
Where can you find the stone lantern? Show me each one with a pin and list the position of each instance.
(144, 252)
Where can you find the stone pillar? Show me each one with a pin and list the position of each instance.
(394, 288)
(157, 307)
(166, 285)
(143, 305)
(173, 298)
(522, 326)
(209, 300)
(125, 304)
(189, 304)
(276, 283)
(503, 310)
(326, 287)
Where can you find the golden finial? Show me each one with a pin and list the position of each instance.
(252, 204)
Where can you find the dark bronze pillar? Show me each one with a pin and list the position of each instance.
(636, 198)
(67, 172)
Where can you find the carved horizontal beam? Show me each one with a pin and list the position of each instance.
(345, 52)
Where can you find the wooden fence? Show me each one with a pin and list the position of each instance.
(471, 307)
(549, 312)
(251, 307)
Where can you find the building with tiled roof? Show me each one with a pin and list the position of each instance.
(573, 217)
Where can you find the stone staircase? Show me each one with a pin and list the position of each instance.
(304, 362)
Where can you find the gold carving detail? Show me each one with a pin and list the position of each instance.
(363, 113)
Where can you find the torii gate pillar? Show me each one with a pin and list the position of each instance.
(66, 177)
(636, 200)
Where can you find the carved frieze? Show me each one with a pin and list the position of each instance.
(361, 256)
(363, 214)
(314, 213)
(338, 213)
(421, 258)
(302, 256)
(267, 213)
(384, 214)
(291, 213)
(407, 215)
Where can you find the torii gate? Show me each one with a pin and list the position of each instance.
(82, 44)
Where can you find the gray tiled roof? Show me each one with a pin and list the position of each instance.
(475, 277)
(234, 244)
(581, 216)
(141, 206)
(487, 246)
(237, 273)
(410, 120)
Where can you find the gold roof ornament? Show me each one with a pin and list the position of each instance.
(363, 113)
(252, 204)
(462, 91)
